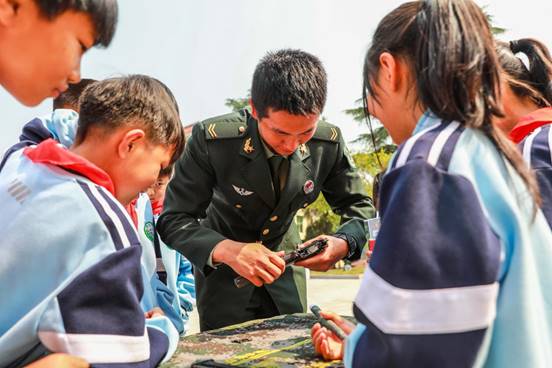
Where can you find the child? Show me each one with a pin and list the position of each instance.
(179, 275)
(461, 272)
(527, 97)
(42, 42)
(63, 216)
(61, 125)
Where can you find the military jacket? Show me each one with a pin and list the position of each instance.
(222, 189)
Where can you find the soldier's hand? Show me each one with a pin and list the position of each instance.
(59, 361)
(253, 261)
(337, 249)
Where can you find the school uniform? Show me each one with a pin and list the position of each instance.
(70, 265)
(534, 136)
(462, 272)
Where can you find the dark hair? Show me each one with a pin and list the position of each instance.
(289, 80)
(450, 49)
(135, 100)
(532, 81)
(70, 98)
(103, 13)
(167, 171)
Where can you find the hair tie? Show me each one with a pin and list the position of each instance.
(514, 46)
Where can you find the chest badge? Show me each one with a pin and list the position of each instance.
(242, 191)
(247, 147)
(308, 187)
(149, 230)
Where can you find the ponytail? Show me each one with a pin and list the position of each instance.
(532, 80)
(451, 52)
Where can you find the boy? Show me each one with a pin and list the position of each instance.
(178, 273)
(61, 125)
(64, 217)
(42, 42)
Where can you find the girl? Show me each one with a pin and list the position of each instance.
(462, 269)
(527, 97)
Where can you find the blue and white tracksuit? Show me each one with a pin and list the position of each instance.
(61, 125)
(461, 274)
(70, 268)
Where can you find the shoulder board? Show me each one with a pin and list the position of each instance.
(327, 132)
(233, 125)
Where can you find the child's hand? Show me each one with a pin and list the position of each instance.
(155, 312)
(325, 342)
(59, 361)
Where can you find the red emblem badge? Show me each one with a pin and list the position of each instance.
(308, 187)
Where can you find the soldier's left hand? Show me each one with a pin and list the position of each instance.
(337, 249)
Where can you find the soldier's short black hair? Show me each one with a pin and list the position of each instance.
(289, 80)
(134, 100)
(103, 13)
(70, 98)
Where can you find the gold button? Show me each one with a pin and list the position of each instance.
(274, 218)
(241, 129)
(266, 231)
(238, 205)
(305, 205)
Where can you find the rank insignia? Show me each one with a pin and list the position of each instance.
(242, 191)
(247, 147)
(308, 187)
(303, 149)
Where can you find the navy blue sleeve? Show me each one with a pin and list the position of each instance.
(33, 132)
(98, 315)
(537, 152)
(544, 179)
(429, 293)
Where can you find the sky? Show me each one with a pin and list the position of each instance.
(206, 51)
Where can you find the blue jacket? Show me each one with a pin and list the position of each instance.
(71, 262)
(461, 274)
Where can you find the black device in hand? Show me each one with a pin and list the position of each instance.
(300, 254)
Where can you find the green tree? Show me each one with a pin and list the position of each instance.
(319, 217)
(237, 104)
(494, 29)
(378, 138)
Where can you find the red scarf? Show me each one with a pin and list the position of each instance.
(157, 207)
(530, 122)
(52, 153)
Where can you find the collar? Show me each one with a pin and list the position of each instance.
(51, 152)
(427, 119)
(529, 123)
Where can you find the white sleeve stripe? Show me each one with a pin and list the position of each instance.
(114, 217)
(435, 311)
(439, 143)
(527, 147)
(401, 160)
(99, 348)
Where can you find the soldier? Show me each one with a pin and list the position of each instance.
(230, 206)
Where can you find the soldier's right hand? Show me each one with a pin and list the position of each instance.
(253, 261)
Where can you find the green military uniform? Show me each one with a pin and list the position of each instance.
(222, 189)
